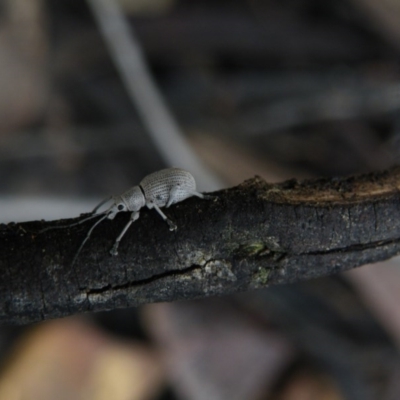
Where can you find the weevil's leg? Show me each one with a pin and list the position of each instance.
(74, 224)
(174, 190)
(202, 195)
(87, 237)
(101, 203)
(172, 226)
(172, 195)
(134, 217)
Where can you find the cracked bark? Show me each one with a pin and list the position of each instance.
(250, 236)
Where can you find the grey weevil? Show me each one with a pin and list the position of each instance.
(159, 189)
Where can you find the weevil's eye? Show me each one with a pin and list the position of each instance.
(121, 207)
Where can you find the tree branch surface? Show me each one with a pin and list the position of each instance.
(247, 237)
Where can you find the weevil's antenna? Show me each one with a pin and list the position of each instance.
(88, 235)
(74, 224)
(101, 203)
(94, 215)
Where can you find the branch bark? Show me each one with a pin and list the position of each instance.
(250, 236)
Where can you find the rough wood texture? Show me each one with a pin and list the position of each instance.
(250, 236)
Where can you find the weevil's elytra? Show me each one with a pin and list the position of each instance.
(159, 189)
(168, 186)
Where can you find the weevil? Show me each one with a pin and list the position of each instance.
(159, 189)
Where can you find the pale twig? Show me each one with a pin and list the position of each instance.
(130, 62)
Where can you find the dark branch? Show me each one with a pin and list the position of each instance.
(250, 236)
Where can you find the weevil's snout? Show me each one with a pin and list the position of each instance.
(118, 206)
(112, 213)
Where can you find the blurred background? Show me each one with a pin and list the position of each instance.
(96, 94)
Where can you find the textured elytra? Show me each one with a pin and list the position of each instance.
(158, 185)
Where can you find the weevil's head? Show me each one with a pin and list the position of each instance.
(118, 206)
(131, 200)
